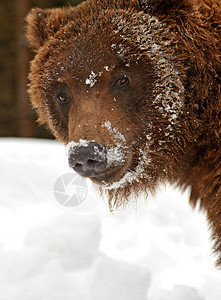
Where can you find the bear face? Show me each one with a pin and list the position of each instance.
(133, 88)
(99, 89)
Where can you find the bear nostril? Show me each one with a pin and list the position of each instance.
(91, 162)
(78, 164)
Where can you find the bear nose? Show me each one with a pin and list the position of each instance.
(88, 159)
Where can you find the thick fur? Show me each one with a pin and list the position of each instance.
(166, 122)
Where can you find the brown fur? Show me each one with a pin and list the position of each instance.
(169, 115)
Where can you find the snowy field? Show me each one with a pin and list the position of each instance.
(158, 249)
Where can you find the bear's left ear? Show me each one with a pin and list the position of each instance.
(43, 23)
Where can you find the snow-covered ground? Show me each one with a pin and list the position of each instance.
(158, 249)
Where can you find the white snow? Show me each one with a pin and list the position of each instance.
(116, 156)
(130, 176)
(158, 250)
(92, 79)
(125, 281)
(115, 153)
(107, 68)
(117, 135)
(81, 143)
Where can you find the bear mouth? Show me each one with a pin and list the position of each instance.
(114, 177)
(108, 176)
(133, 169)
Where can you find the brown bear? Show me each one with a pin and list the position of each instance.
(134, 89)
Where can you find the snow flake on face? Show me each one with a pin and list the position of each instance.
(92, 79)
(81, 143)
(115, 153)
(109, 68)
(148, 136)
(118, 136)
(131, 176)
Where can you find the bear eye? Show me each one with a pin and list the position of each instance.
(122, 82)
(62, 98)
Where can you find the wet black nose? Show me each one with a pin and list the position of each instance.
(88, 159)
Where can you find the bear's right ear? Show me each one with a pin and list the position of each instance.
(43, 23)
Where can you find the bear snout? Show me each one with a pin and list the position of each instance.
(88, 159)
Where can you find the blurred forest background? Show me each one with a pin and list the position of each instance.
(17, 118)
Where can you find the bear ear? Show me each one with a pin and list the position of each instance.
(160, 7)
(43, 23)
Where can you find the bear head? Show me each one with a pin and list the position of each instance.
(111, 79)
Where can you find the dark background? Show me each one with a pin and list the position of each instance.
(17, 118)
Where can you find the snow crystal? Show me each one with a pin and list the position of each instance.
(114, 131)
(148, 136)
(81, 143)
(115, 153)
(92, 79)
